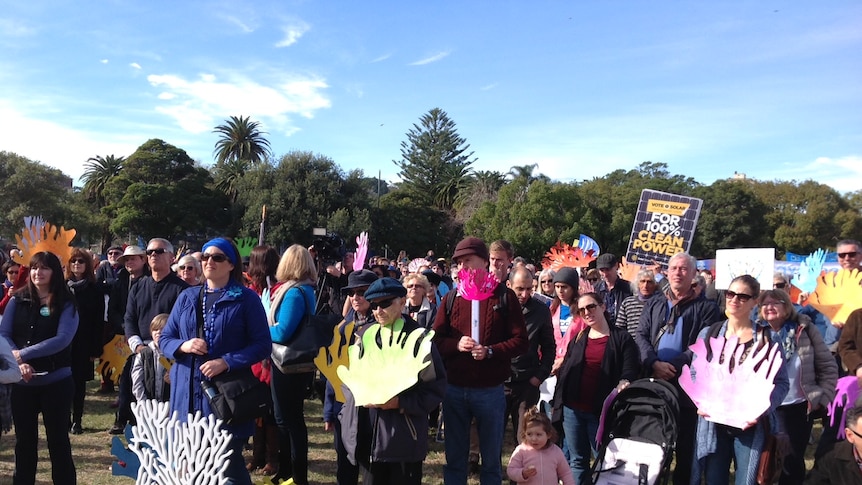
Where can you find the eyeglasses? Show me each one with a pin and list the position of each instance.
(547, 282)
(772, 303)
(742, 297)
(848, 254)
(853, 431)
(592, 280)
(355, 292)
(114, 253)
(217, 257)
(382, 304)
(153, 251)
(183, 268)
(587, 309)
(411, 287)
(77, 261)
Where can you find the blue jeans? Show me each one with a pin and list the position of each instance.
(580, 428)
(741, 449)
(236, 473)
(488, 406)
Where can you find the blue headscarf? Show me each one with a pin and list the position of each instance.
(225, 246)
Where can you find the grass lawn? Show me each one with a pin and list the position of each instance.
(93, 458)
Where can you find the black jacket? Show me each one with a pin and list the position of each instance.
(836, 467)
(622, 289)
(147, 299)
(539, 358)
(696, 315)
(619, 362)
(394, 435)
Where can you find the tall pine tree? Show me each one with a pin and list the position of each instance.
(435, 165)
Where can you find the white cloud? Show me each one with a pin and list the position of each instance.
(843, 173)
(135, 65)
(381, 58)
(69, 148)
(430, 59)
(488, 87)
(243, 26)
(199, 104)
(292, 33)
(15, 28)
(104, 61)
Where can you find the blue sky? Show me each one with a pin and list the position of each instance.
(771, 89)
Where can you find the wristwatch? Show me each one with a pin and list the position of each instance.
(490, 352)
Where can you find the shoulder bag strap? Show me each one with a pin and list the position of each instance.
(199, 313)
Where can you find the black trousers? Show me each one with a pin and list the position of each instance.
(685, 445)
(520, 396)
(288, 399)
(798, 425)
(53, 401)
(346, 473)
(392, 473)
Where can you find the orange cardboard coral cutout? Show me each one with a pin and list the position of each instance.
(38, 236)
(562, 255)
(838, 294)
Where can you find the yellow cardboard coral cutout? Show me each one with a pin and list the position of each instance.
(838, 294)
(38, 236)
(330, 358)
(113, 358)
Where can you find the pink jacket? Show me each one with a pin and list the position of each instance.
(550, 463)
(561, 340)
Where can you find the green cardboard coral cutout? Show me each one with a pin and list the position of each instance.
(386, 361)
(245, 245)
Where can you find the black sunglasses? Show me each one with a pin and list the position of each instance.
(586, 309)
(730, 295)
(77, 261)
(183, 268)
(382, 304)
(780, 286)
(217, 257)
(355, 292)
(151, 252)
(848, 254)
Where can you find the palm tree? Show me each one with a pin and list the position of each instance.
(227, 176)
(241, 140)
(97, 172)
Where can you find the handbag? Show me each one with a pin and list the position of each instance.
(235, 396)
(771, 461)
(298, 352)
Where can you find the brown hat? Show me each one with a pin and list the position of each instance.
(471, 245)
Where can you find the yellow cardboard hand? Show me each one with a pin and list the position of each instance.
(330, 358)
(838, 294)
(385, 363)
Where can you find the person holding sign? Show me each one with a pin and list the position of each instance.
(477, 365)
(382, 437)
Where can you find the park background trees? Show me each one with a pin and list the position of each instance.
(160, 191)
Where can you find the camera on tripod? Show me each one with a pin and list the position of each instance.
(328, 246)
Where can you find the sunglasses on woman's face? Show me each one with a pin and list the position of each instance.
(382, 304)
(587, 309)
(217, 257)
(183, 268)
(77, 261)
(780, 286)
(742, 297)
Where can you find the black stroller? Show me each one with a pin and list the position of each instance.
(637, 435)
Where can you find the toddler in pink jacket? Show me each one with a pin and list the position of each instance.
(537, 460)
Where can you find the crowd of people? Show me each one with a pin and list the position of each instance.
(579, 332)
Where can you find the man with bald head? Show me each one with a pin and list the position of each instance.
(532, 368)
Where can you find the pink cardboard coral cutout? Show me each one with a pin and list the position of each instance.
(476, 285)
(361, 251)
(732, 398)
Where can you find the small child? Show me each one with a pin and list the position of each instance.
(150, 377)
(537, 460)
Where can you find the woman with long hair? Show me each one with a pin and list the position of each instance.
(39, 324)
(262, 264)
(599, 358)
(292, 300)
(234, 336)
(718, 445)
(87, 344)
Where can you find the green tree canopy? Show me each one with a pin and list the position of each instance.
(731, 217)
(434, 161)
(32, 189)
(161, 192)
(241, 139)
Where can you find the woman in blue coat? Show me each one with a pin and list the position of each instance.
(235, 335)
